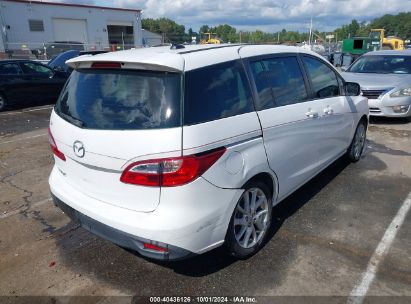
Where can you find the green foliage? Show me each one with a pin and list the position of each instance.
(225, 32)
(172, 31)
(351, 30)
(394, 25)
(399, 25)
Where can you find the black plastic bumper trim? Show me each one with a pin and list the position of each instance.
(121, 238)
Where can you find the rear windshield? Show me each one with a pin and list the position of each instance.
(121, 99)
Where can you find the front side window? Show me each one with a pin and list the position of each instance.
(36, 69)
(279, 82)
(323, 79)
(216, 92)
(121, 99)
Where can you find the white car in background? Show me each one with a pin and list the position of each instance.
(174, 151)
(385, 79)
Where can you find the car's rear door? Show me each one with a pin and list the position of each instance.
(107, 119)
(335, 114)
(290, 121)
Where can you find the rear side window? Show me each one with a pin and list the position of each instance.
(216, 92)
(323, 79)
(279, 82)
(121, 99)
(9, 69)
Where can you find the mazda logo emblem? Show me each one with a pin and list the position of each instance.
(78, 148)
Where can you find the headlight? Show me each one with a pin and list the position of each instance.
(402, 93)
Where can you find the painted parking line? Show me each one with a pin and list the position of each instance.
(26, 111)
(24, 138)
(359, 292)
(17, 211)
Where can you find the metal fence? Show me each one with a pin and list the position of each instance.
(48, 50)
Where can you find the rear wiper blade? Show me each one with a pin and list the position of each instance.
(74, 121)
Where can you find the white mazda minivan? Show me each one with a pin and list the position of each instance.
(175, 150)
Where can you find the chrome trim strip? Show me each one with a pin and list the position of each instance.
(96, 167)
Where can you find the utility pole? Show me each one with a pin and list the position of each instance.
(240, 36)
(278, 38)
(311, 29)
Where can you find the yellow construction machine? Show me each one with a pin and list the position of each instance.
(209, 39)
(387, 43)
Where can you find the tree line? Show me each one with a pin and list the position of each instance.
(394, 25)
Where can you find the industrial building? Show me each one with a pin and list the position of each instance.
(151, 39)
(44, 27)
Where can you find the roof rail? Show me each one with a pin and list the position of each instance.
(176, 46)
(92, 52)
(210, 48)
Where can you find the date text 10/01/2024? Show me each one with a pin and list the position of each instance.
(203, 299)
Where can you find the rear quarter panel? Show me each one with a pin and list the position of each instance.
(245, 155)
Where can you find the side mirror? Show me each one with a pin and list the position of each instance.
(343, 68)
(352, 89)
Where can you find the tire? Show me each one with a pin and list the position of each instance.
(249, 227)
(356, 148)
(3, 103)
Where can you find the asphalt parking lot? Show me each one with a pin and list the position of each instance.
(323, 242)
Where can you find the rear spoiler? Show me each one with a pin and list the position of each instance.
(122, 65)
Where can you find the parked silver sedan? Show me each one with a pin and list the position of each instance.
(385, 78)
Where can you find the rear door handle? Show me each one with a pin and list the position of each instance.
(311, 114)
(328, 111)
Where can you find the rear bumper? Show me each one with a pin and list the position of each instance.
(121, 238)
(189, 219)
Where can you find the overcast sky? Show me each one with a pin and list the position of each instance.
(266, 15)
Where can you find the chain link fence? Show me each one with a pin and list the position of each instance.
(49, 50)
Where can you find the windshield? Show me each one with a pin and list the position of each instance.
(382, 64)
(121, 99)
(375, 35)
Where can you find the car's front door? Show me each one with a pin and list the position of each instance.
(335, 114)
(290, 121)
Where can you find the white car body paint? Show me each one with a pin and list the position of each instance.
(281, 142)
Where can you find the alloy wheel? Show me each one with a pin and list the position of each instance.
(359, 141)
(251, 217)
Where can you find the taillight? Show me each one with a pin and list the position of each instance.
(106, 65)
(54, 148)
(154, 247)
(170, 172)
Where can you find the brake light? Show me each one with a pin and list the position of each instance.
(154, 247)
(170, 172)
(106, 65)
(54, 148)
